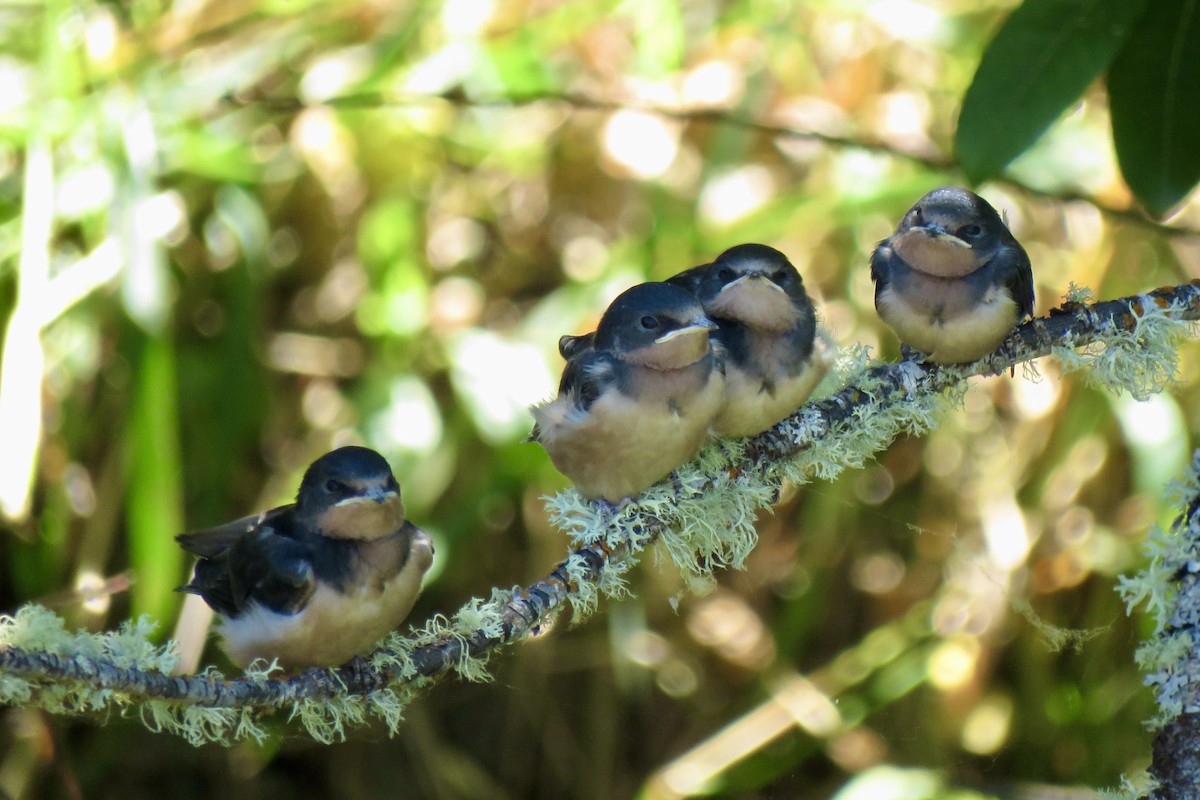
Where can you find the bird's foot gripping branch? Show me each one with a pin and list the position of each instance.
(704, 517)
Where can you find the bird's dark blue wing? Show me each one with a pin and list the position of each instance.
(880, 262)
(212, 542)
(1019, 280)
(570, 346)
(273, 570)
(264, 565)
(884, 262)
(587, 376)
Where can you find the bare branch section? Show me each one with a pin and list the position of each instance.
(703, 516)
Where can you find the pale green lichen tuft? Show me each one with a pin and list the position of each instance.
(1079, 294)
(851, 365)
(485, 617)
(1142, 361)
(326, 719)
(131, 647)
(612, 582)
(1140, 786)
(1169, 587)
(574, 515)
(15, 691)
(585, 595)
(200, 725)
(714, 529)
(36, 628)
(389, 705)
(394, 654)
(872, 426)
(258, 670)
(1054, 637)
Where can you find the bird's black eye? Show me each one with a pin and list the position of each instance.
(391, 483)
(724, 274)
(334, 486)
(779, 276)
(972, 231)
(648, 322)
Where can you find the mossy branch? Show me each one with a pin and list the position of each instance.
(704, 516)
(1169, 586)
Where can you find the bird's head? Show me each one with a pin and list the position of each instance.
(949, 233)
(755, 285)
(350, 493)
(656, 325)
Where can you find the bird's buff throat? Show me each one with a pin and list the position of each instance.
(675, 349)
(756, 301)
(939, 254)
(363, 518)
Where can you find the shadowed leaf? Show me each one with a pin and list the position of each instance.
(1153, 88)
(1044, 56)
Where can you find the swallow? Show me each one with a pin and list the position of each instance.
(952, 281)
(637, 400)
(318, 581)
(767, 328)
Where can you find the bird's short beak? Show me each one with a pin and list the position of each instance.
(752, 278)
(380, 494)
(698, 325)
(943, 235)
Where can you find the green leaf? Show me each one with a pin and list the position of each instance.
(1040, 62)
(1154, 89)
(155, 491)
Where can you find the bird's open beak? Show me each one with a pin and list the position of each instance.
(699, 325)
(943, 235)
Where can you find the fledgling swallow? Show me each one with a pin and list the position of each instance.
(316, 582)
(952, 281)
(637, 401)
(767, 329)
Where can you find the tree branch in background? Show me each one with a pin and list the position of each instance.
(704, 516)
(374, 100)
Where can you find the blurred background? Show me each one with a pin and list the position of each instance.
(234, 235)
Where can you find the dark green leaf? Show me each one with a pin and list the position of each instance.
(1044, 56)
(1154, 89)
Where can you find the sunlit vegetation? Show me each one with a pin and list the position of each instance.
(235, 235)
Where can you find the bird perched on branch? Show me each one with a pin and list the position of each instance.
(767, 328)
(319, 581)
(637, 398)
(952, 281)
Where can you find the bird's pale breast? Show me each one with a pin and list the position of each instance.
(959, 328)
(334, 626)
(620, 445)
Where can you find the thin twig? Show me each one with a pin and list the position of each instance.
(377, 100)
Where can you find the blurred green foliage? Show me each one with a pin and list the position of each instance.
(234, 235)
